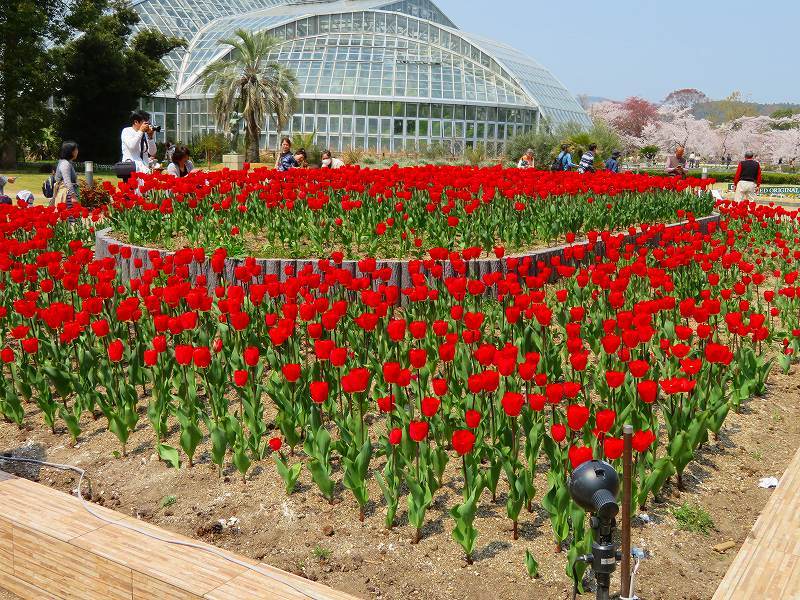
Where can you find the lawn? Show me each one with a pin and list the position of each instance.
(34, 181)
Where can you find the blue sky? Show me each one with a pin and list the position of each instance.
(648, 48)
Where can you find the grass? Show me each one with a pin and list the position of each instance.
(168, 501)
(694, 518)
(33, 182)
(321, 553)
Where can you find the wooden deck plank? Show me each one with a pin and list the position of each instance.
(147, 588)
(250, 586)
(52, 515)
(52, 548)
(188, 569)
(767, 565)
(54, 566)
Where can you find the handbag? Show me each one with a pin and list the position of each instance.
(124, 169)
(59, 194)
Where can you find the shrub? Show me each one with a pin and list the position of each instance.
(92, 196)
(475, 155)
(306, 142)
(210, 146)
(693, 518)
(352, 156)
(544, 145)
(727, 176)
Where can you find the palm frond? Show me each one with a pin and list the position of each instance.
(248, 81)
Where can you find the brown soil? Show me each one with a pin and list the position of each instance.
(302, 533)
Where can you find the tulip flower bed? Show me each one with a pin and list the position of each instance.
(324, 372)
(394, 213)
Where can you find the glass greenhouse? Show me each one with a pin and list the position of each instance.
(381, 75)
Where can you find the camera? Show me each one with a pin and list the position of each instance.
(156, 128)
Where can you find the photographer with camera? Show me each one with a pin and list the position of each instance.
(138, 145)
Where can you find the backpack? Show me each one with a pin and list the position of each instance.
(48, 187)
(558, 163)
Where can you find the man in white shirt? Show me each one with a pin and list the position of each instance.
(138, 145)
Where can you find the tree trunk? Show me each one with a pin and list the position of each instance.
(252, 142)
(8, 155)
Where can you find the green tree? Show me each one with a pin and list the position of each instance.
(27, 30)
(107, 65)
(210, 145)
(544, 144)
(249, 83)
(578, 138)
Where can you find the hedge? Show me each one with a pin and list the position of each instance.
(727, 176)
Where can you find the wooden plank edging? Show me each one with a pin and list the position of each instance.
(767, 565)
(52, 548)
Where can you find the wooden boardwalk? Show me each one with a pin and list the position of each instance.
(52, 548)
(768, 564)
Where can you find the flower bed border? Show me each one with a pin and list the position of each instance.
(400, 272)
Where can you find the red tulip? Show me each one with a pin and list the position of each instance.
(440, 387)
(648, 391)
(638, 368)
(100, 328)
(615, 379)
(386, 403)
(356, 381)
(577, 416)
(240, 377)
(275, 443)
(558, 432)
(7, 355)
(418, 430)
(150, 358)
(395, 436)
(642, 440)
(613, 447)
(318, 391)
(115, 350)
(429, 406)
(463, 441)
(201, 357)
(183, 354)
(291, 372)
(30, 345)
(604, 419)
(472, 419)
(251, 356)
(536, 402)
(512, 403)
(579, 455)
(417, 357)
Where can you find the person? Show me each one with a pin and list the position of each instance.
(3, 181)
(301, 158)
(563, 161)
(747, 180)
(180, 165)
(331, 162)
(66, 188)
(25, 198)
(586, 164)
(138, 145)
(728, 161)
(527, 161)
(612, 164)
(691, 160)
(49, 185)
(170, 148)
(286, 160)
(676, 163)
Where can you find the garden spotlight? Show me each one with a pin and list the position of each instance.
(594, 486)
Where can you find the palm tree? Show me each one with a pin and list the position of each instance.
(249, 83)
